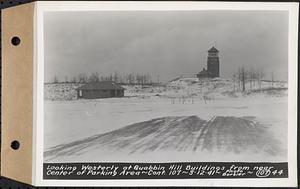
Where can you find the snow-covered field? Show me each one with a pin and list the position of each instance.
(72, 120)
(178, 88)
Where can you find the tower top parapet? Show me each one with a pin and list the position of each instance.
(212, 50)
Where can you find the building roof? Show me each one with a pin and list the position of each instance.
(213, 49)
(204, 73)
(101, 85)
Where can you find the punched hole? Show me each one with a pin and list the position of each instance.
(15, 145)
(15, 41)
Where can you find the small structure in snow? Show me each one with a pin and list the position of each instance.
(102, 89)
(204, 74)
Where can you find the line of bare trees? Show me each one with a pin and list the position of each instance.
(248, 79)
(130, 78)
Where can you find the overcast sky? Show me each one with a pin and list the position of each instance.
(165, 43)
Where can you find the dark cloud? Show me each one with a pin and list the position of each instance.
(168, 43)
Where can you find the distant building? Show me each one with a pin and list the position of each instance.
(213, 65)
(102, 89)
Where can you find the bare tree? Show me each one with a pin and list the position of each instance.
(148, 78)
(138, 79)
(110, 77)
(272, 78)
(130, 78)
(252, 77)
(94, 77)
(239, 74)
(234, 78)
(116, 77)
(242, 78)
(260, 75)
(82, 78)
(55, 79)
(74, 80)
(121, 78)
(66, 79)
(102, 78)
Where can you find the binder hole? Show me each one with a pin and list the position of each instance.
(15, 41)
(15, 145)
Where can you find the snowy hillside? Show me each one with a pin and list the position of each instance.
(185, 134)
(185, 119)
(178, 88)
(61, 91)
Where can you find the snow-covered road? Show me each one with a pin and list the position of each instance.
(67, 121)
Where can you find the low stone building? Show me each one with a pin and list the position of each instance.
(102, 89)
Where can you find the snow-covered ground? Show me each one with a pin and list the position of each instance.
(72, 120)
(187, 136)
(178, 88)
(61, 91)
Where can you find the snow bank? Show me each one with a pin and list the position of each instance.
(183, 88)
(61, 91)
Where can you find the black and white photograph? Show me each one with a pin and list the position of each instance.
(165, 86)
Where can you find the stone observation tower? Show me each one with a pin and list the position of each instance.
(213, 65)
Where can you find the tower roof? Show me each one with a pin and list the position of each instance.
(213, 49)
